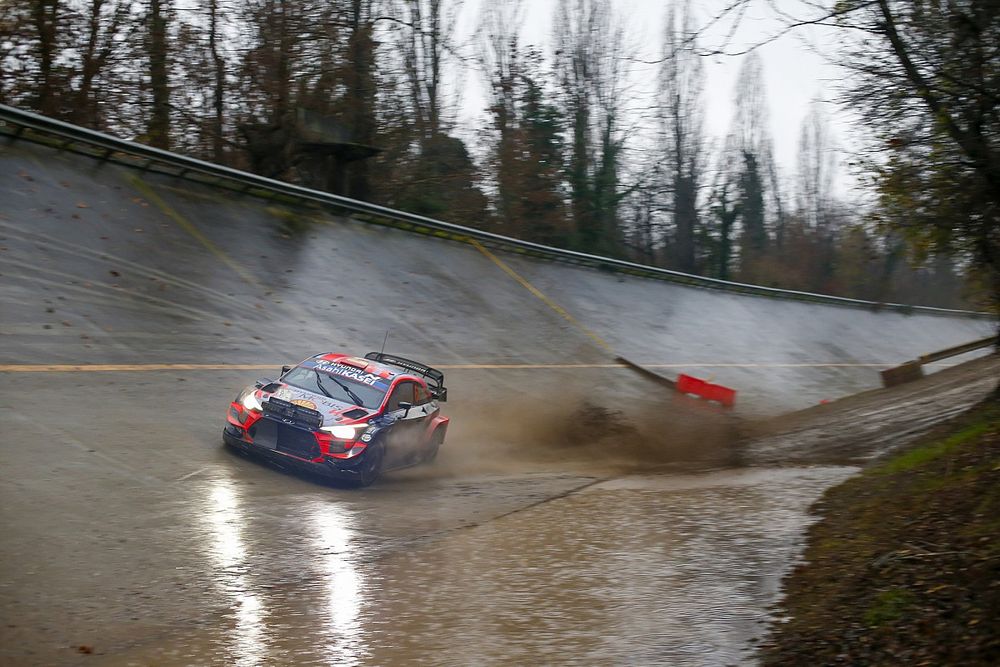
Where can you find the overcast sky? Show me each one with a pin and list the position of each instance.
(795, 73)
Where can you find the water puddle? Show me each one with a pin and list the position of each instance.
(666, 569)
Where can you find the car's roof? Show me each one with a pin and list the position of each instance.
(383, 371)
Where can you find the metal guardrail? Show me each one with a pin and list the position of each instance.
(911, 371)
(989, 341)
(19, 124)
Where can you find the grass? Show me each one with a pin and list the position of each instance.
(934, 450)
(889, 606)
(290, 222)
(904, 567)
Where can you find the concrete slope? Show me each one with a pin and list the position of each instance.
(103, 264)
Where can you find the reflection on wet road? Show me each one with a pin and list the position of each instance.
(671, 569)
(230, 561)
(343, 579)
(664, 570)
(267, 620)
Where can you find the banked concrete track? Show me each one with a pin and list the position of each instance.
(105, 265)
(135, 306)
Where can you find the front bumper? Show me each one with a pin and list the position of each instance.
(289, 445)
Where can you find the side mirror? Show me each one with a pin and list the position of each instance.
(263, 382)
(405, 407)
(441, 394)
(285, 369)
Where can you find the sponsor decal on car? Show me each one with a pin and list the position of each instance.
(352, 373)
(304, 403)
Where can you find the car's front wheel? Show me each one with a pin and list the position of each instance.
(371, 465)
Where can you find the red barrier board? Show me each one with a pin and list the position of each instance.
(687, 384)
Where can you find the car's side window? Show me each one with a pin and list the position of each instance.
(422, 395)
(403, 392)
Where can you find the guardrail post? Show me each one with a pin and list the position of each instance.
(914, 370)
(908, 372)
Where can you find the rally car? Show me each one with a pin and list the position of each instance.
(350, 417)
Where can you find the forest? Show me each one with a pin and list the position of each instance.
(357, 97)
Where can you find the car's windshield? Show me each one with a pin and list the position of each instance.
(333, 385)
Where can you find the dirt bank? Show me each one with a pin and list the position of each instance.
(904, 567)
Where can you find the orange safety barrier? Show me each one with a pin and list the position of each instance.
(687, 384)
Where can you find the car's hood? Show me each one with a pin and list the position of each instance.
(334, 411)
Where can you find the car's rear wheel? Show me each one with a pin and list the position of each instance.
(371, 466)
(433, 446)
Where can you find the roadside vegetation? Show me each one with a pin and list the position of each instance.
(593, 139)
(904, 567)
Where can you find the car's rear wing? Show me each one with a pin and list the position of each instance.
(435, 377)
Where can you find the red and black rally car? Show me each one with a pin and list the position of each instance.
(346, 416)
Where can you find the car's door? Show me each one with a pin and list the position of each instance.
(405, 434)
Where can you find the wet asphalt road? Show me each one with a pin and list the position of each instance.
(129, 530)
(172, 551)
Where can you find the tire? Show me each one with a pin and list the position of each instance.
(371, 467)
(228, 443)
(435, 444)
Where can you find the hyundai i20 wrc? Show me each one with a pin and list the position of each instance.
(350, 417)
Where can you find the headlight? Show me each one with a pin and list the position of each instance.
(344, 432)
(248, 398)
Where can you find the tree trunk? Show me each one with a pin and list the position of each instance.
(46, 18)
(159, 120)
(219, 92)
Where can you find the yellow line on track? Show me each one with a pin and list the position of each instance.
(115, 368)
(189, 227)
(601, 343)
(139, 368)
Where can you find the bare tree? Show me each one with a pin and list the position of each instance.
(816, 167)
(12, 46)
(102, 23)
(681, 103)
(219, 87)
(502, 61)
(33, 35)
(158, 54)
(726, 210)
(425, 48)
(54, 55)
(923, 77)
(358, 106)
(590, 60)
(526, 141)
(748, 159)
(277, 72)
(47, 17)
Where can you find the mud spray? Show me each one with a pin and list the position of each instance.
(573, 432)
